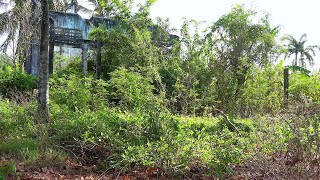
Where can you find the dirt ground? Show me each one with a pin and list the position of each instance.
(273, 167)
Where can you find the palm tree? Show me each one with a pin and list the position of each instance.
(300, 51)
(15, 24)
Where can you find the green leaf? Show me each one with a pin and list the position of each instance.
(299, 68)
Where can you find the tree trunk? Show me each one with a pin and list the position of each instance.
(43, 65)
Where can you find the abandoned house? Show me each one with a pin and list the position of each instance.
(69, 36)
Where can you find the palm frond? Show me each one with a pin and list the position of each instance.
(311, 49)
(4, 19)
(299, 68)
(287, 37)
(309, 58)
(303, 37)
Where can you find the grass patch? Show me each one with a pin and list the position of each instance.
(22, 149)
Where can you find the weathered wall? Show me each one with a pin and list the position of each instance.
(75, 21)
(76, 30)
(69, 30)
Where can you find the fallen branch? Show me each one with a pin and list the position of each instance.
(231, 126)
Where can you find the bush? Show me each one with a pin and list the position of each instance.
(263, 91)
(136, 92)
(78, 94)
(16, 121)
(303, 87)
(15, 82)
(108, 131)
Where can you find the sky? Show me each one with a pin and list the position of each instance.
(294, 16)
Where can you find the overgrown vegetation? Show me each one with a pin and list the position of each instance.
(165, 104)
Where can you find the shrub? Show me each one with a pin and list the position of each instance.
(16, 121)
(78, 94)
(15, 81)
(303, 87)
(263, 91)
(136, 92)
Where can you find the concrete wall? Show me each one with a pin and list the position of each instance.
(66, 21)
(75, 21)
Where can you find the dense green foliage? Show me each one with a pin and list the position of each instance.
(14, 82)
(167, 102)
(198, 73)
